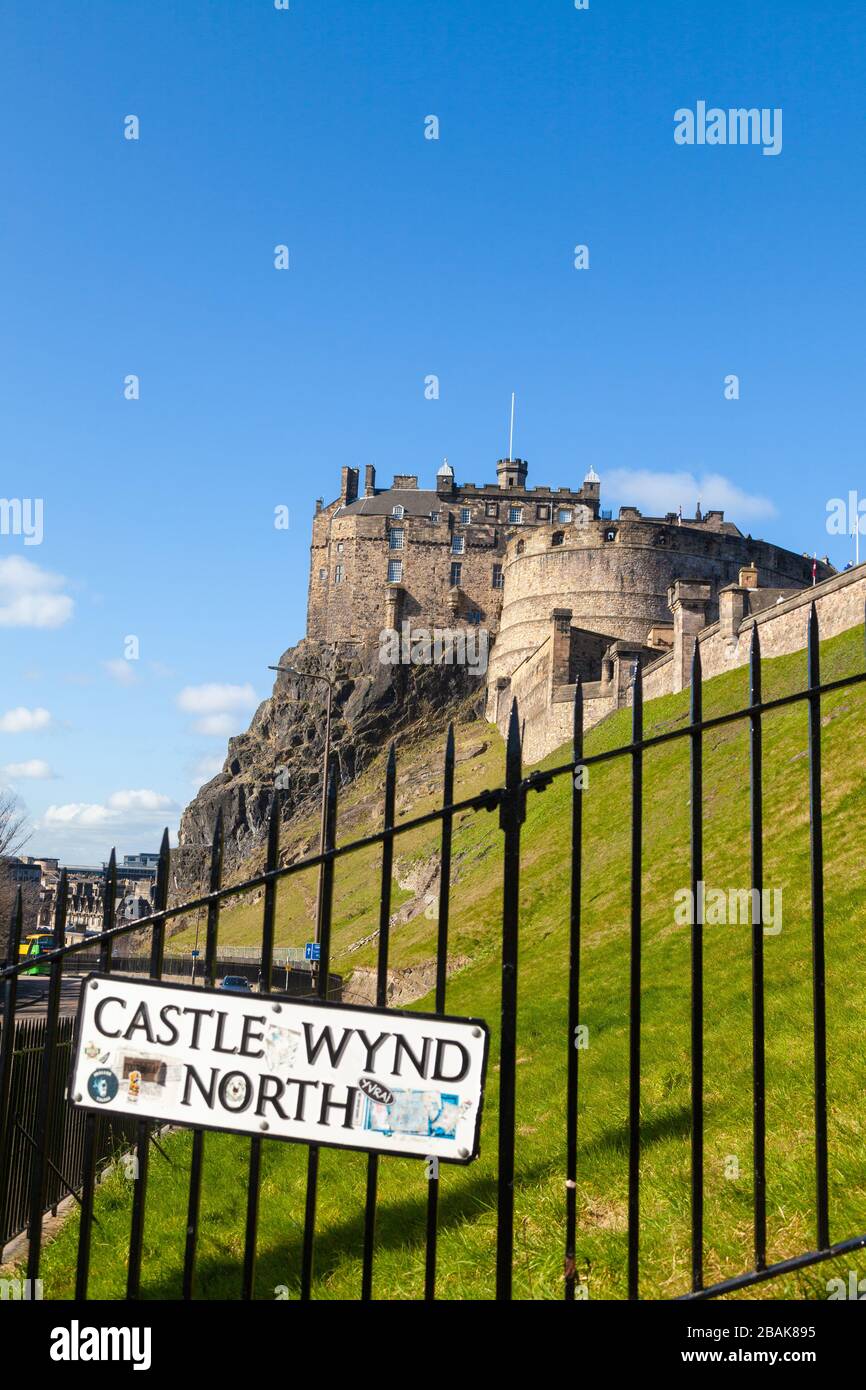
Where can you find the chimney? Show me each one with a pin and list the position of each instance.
(688, 601)
(404, 480)
(369, 481)
(348, 485)
(748, 577)
(732, 607)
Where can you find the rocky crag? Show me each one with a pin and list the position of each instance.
(285, 743)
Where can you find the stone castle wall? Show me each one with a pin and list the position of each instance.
(563, 589)
(619, 587)
(839, 601)
(350, 595)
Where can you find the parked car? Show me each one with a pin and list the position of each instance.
(238, 983)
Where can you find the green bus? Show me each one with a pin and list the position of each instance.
(36, 944)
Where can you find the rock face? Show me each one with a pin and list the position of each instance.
(285, 744)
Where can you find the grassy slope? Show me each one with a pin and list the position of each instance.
(468, 1198)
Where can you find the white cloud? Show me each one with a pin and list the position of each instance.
(223, 725)
(121, 670)
(24, 721)
(76, 813)
(659, 493)
(218, 705)
(143, 800)
(83, 832)
(30, 596)
(216, 699)
(207, 767)
(36, 769)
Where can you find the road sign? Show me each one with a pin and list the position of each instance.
(382, 1080)
(195, 954)
(312, 951)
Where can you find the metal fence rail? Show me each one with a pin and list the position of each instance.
(66, 1156)
(510, 801)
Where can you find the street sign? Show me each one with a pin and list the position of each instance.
(381, 1080)
(195, 954)
(312, 951)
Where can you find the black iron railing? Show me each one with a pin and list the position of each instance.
(510, 801)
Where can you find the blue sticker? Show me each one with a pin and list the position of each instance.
(425, 1114)
(102, 1085)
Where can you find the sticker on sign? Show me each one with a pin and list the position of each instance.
(383, 1080)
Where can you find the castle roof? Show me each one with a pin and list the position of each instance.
(414, 501)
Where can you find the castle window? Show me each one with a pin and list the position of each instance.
(338, 574)
(610, 535)
(434, 516)
(323, 574)
(474, 616)
(395, 571)
(397, 511)
(542, 512)
(520, 547)
(661, 538)
(395, 539)
(498, 581)
(564, 514)
(456, 572)
(557, 538)
(458, 545)
(491, 509)
(465, 516)
(515, 515)
(339, 547)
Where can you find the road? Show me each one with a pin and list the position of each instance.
(33, 994)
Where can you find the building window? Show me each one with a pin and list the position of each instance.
(557, 538)
(397, 511)
(395, 539)
(456, 572)
(339, 547)
(323, 574)
(520, 547)
(474, 616)
(338, 574)
(458, 545)
(542, 513)
(498, 581)
(491, 509)
(395, 571)
(434, 516)
(515, 515)
(465, 516)
(564, 514)
(610, 535)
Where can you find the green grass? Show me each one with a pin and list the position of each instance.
(468, 1196)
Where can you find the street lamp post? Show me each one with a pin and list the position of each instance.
(309, 675)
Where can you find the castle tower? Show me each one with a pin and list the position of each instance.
(445, 477)
(511, 473)
(591, 486)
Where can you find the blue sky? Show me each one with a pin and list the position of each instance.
(408, 257)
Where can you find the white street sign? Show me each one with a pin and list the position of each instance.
(383, 1080)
